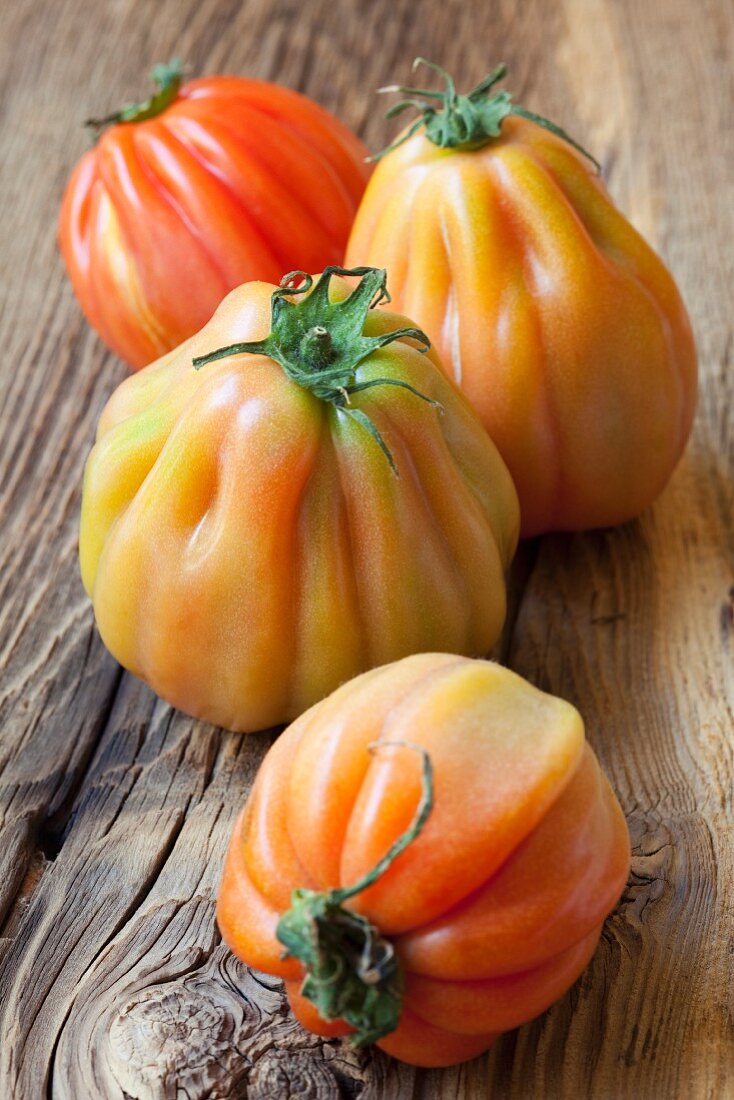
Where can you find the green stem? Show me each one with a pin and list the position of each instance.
(320, 344)
(318, 347)
(352, 971)
(464, 122)
(420, 817)
(167, 79)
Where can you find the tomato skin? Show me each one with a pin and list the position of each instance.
(247, 547)
(235, 180)
(497, 906)
(558, 321)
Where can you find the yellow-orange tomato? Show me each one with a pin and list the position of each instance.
(495, 906)
(209, 184)
(245, 541)
(559, 322)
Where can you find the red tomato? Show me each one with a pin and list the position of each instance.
(493, 905)
(208, 185)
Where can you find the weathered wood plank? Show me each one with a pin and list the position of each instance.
(657, 683)
(112, 979)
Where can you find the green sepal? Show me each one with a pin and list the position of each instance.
(464, 122)
(320, 343)
(521, 112)
(352, 971)
(167, 80)
(370, 426)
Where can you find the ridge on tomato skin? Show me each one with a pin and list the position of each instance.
(208, 184)
(559, 322)
(476, 891)
(310, 500)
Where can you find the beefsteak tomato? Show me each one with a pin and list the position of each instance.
(207, 185)
(244, 537)
(559, 322)
(434, 935)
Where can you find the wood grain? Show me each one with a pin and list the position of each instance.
(115, 810)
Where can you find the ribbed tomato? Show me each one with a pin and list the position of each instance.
(432, 916)
(297, 510)
(556, 318)
(208, 185)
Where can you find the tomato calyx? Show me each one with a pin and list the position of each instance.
(320, 343)
(167, 79)
(464, 122)
(352, 971)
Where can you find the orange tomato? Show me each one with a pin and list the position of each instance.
(208, 185)
(245, 538)
(496, 902)
(559, 322)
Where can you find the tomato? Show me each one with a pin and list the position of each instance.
(297, 510)
(450, 907)
(208, 185)
(557, 319)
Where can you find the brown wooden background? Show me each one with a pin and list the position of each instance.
(115, 811)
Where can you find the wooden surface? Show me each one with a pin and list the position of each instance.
(115, 811)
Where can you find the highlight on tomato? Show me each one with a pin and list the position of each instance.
(206, 185)
(316, 499)
(559, 322)
(426, 858)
